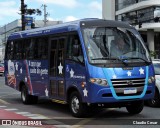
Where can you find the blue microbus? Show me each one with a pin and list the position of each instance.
(86, 63)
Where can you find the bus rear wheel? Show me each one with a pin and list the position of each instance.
(26, 98)
(135, 107)
(77, 108)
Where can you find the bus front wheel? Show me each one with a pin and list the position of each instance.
(135, 107)
(26, 98)
(77, 108)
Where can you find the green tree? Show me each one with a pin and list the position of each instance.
(153, 53)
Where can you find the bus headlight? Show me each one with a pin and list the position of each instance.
(151, 79)
(99, 81)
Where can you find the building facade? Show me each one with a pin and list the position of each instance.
(143, 14)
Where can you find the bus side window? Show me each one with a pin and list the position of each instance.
(18, 50)
(74, 50)
(42, 48)
(26, 48)
(30, 49)
(10, 52)
(16, 53)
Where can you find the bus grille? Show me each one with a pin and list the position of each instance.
(135, 86)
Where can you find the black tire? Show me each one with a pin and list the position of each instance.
(34, 99)
(155, 102)
(135, 107)
(77, 108)
(26, 98)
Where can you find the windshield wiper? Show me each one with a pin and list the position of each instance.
(104, 58)
(111, 58)
(147, 62)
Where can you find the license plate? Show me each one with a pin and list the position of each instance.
(130, 91)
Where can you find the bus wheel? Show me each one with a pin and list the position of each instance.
(135, 107)
(77, 108)
(26, 98)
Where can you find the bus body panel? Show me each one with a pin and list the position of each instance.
(40, 32)
(35, 74)
(75, 76)
(105, 94)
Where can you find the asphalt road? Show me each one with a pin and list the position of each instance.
(54, 113)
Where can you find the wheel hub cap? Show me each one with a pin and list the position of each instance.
(75, 104)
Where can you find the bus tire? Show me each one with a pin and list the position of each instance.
(77, 108)
(135, 107)
(34, 99)
(155, 102)
(26, 98)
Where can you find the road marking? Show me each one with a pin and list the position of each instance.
(3, 106)
(29, 114)
(22, 113)
(63, 117)
(62, 126)
(3, 102)
(39, 117)
(83, 122)
(32, 116)
(11, 109)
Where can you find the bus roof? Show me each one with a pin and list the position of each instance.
(66, 27)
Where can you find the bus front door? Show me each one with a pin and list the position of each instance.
(57, 82)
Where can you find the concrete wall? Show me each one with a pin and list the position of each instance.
(108, 9)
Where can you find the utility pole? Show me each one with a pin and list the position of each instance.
(26, 11)
(5, 30)
(23, 14)
(45, 14)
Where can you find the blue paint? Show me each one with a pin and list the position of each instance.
(126, 97)
(76, 73)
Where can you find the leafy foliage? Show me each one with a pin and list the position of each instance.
(25, 11)
(31, 11)
(153, 53)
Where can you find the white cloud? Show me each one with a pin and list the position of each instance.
(7, 3)
(64, 3)
(50, 19)
(9, 12)
(94, 9)
(95, 5)
(8, 9)
(70, 18)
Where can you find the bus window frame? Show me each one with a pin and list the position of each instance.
(25, 40)
(81, 47)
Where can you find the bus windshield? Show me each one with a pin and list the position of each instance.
(104, 44)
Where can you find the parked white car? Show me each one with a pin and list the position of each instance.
(156, 100)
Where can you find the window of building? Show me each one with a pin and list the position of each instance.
(120, 4)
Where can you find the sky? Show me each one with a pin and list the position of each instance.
(62, 10)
